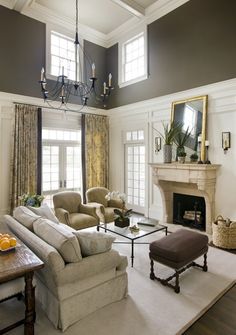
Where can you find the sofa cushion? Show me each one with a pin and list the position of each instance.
(25, 216)
(92, 243)
(45, 211)
(60, 238)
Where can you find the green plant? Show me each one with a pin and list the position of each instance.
(123, 213)
(170, 132)
(194, 156)
(33, 200)
(182, 154)
(181, 138)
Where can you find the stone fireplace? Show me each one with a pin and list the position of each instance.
(197, 180)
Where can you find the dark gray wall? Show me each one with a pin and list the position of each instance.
(22, 53)
(96, 54)
(192, 46)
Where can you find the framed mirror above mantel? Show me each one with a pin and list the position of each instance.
(192, 113)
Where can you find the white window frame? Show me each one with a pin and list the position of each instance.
(67, 34)
(121, 46)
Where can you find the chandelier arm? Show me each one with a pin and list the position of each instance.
(65, 88)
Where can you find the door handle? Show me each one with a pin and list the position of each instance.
(64, 183)
(60, 183)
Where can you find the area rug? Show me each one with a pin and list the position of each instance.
(150, 308)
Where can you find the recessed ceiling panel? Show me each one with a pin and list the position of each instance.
(145, 3)
(102, 15)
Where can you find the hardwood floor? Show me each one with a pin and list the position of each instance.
(220, 319)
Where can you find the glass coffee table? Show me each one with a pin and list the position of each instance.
(132, 236)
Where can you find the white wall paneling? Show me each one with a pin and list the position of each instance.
(151, 113)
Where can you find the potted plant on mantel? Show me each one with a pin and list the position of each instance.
(180, 140)
(170, 133)
(181, 157)
(194, 158)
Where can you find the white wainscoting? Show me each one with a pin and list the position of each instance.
(151, 113)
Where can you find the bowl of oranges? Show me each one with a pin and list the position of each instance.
(7, 242)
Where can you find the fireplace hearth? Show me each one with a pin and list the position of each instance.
(189, 210)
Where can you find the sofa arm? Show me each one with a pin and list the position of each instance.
(89, 210)
(62, 215)
(117, 203)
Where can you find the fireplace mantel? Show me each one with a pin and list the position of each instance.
(192, 179)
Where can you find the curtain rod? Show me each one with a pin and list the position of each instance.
(54, 108)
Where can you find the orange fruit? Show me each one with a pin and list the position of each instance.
(12, 241)
(5, 243)
(5, 235)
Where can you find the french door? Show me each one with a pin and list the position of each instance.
(61, 168)
(135, 176)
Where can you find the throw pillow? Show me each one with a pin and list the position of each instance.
(25, 216)
(92, 243)
(60, 238)
(44, 211)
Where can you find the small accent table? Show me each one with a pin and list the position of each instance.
(126, 233)
(21, 262)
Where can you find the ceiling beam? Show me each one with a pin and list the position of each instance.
(20, 5)
(131, 6)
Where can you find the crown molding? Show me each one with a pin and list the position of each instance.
(220, 90)
(47, 16)
(11, 98)
(152, 13)
(8, 3)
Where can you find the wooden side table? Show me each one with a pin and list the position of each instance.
(21, 262)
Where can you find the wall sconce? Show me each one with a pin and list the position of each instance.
(157, 144)
(225, 140)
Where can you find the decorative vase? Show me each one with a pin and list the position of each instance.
(167, 153)
(122, 223)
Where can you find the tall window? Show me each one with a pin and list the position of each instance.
(62, 55)
(133, 59)
(135, 170)
(61, 161)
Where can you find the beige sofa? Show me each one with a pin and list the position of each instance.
(70, 291)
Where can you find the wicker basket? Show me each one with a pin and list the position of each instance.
(224, 233)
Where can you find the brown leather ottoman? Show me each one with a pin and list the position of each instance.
(178, 251)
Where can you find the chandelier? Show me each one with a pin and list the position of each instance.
(66, 91)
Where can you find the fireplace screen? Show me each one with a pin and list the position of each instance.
(189, 210)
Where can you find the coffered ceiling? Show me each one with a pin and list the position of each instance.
(104, 18)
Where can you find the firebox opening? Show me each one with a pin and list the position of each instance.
(189, 210)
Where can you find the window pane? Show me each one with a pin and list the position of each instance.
(133, 58)
(62, 55)
(135, 171)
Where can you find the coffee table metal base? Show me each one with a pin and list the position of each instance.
(132, 240)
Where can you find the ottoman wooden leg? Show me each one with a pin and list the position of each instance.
(177, 287)
(205, 263)
(152, 275)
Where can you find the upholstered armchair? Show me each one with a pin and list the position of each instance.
(70, 210)
(105, 208)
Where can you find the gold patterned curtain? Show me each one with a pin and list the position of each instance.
(26, 153)
(96, 150)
